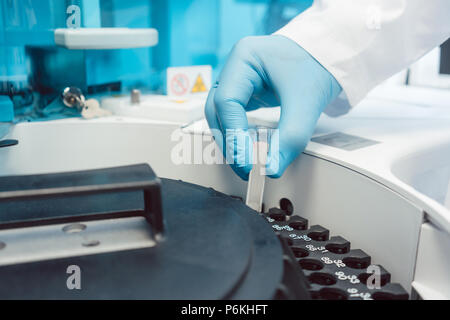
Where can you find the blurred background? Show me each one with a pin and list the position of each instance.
(191, 32)
(34, 70)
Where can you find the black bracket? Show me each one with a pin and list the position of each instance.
(130, 178)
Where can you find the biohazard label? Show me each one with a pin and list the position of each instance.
(199, 85)
(183, 82)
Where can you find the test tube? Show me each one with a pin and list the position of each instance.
(257, 178)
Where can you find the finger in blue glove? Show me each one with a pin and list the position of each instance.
(268, 71)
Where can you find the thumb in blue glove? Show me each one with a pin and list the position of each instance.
(268, 71)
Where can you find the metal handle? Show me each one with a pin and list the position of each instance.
(120, 179)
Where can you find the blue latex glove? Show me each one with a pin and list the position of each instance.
(268, 71)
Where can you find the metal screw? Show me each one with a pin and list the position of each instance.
(73, 98)
(74, 228)
(135, 96)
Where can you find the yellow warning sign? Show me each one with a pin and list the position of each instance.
(199, 85)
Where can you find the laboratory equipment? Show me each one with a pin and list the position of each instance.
(377, 178)
(42, 51)
(372, 177)
(46, 46)
(156, 107)
(125, 223)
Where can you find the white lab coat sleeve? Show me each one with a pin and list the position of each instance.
(364, 42)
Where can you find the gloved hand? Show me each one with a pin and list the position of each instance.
(268, 71)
